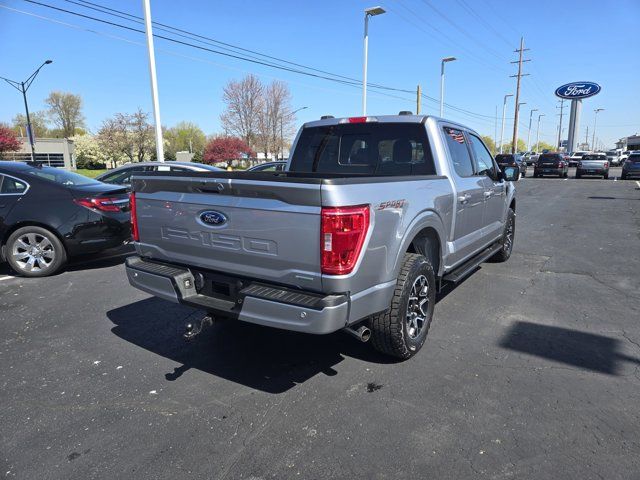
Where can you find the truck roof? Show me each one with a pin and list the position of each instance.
(405, 118)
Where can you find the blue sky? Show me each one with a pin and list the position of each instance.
(569, 41)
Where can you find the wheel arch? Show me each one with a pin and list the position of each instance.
(28, 223)
(425, 236)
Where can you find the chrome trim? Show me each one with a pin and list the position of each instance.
(18, 179)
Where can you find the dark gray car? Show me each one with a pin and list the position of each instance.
(122, 175)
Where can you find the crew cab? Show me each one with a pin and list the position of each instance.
(370, 218)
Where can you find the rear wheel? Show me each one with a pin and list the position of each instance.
(578, 175)
(606, 176)
(401, 330)
(623, 176)
(35, 252)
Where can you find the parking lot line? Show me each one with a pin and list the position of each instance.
(638, 183)
(6, 277)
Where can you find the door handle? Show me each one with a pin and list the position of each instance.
(464, 198)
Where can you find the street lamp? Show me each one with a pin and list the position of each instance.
(504, 109)
(23, 87)
(444, 60)
(282, 130)
(595, 121)
(538, 132)
(529, 134)
(368, 12)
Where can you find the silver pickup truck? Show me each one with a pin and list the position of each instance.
(370, 218)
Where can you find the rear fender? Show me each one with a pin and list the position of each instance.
(427, 219)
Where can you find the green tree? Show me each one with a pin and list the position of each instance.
(491, 145)
(545, 146)
(184, 137)
(65, 111)
(39, 124)
(522, 147)
(88, 152)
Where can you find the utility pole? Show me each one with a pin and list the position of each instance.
(520, 51)
(418, 96)
(560, 124)
(529, 131)
(595, 123)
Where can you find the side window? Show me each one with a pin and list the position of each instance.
(11, 186)
(484, 162)
(459, 152)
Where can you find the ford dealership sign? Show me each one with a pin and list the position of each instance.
(577, 90)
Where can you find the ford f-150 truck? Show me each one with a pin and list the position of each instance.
(371, 216)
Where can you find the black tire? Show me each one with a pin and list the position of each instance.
(606, 176)
(49, 257)
(623, 177)
(508, 237)
(578, 175)
(391, 332)
(566, 174)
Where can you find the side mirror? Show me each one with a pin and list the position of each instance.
(511, 174)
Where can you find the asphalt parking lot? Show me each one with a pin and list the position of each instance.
(531, 370)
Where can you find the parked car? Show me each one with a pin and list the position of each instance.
(268, 167)
(631, 166)
(510, 160)
(122, 175)
(48, 215)
(530, 158)
(614, 158)
(593, 164)
(551, 164)
(372, 216)
(575, 157)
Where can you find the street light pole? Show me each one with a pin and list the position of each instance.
(529, 133)
(154, 82)
(282, 130)
(595, 121)
(538, 132)
(444, 60)
(504, 111)
(368, 12)
(22, 87)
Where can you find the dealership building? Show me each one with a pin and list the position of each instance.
(56, 152)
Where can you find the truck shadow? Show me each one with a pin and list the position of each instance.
(586, 351)
(262, 358)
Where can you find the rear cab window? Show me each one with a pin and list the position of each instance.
(364, 149)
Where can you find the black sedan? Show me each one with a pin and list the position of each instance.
(510, 160)
(48, 215)
(268, 167)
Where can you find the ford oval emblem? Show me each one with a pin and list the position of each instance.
(577, 90)
(213, 218)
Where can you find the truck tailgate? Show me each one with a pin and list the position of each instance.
(258, 229)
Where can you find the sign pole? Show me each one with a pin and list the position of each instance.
(154, 83)
(574, 124)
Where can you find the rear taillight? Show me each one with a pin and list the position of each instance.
(104, 204)
(561, 164)
(606, 164)
(134, 217)
(343, 231)
(579, 164)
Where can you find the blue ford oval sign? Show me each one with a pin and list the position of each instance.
(577, 90)
(213, 218)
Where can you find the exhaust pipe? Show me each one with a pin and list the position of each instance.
(362, 333)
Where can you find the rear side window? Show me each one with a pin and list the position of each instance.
(549, 158)
(11, 186)
(459, 152)
(502, 158)
(365, 149)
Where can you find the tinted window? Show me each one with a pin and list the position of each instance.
(484, 162)
(369, 149)
(502, 158)
(122, 177)
(60, 176)
(634, 158)
(549, 158)
(10, 185)
(459, 152)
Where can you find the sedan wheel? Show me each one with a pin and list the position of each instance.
(35, 252)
